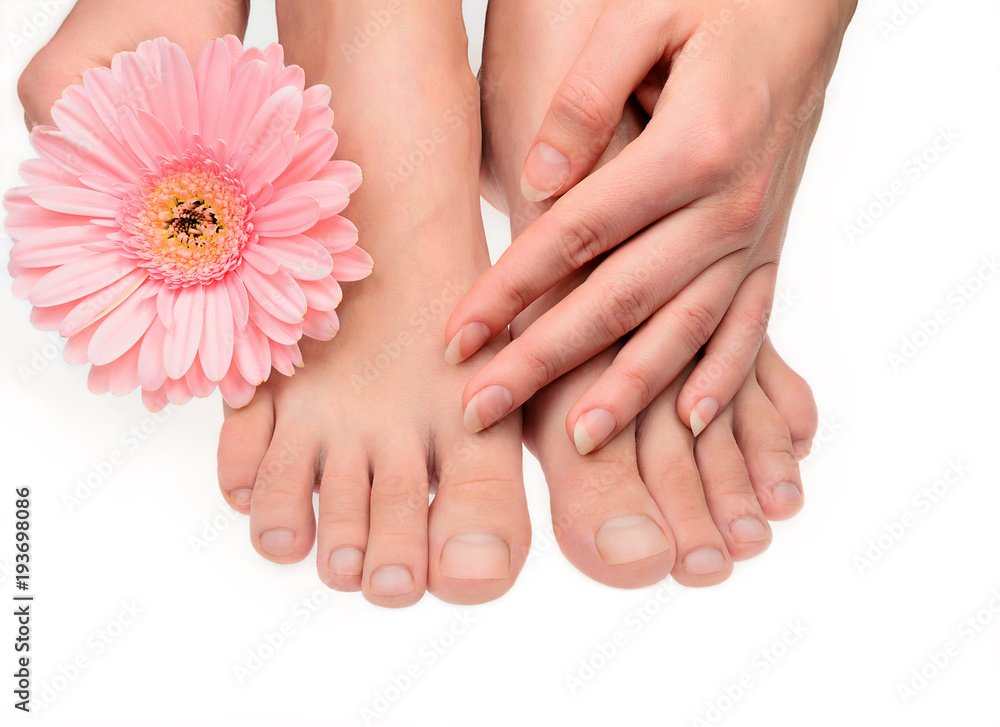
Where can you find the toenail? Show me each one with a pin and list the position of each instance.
(345, 561)
(592, 428)
(240, 498)
(787, 493)
(748, 530)
(630, 538)
(469, 339)
(391, 580)
(475, 556)
(488, 407)
(277, 541)
(704, 561)
(802, 448)
(702, 414)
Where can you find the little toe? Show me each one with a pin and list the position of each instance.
(730, 496)
(768, 453)
(342, 523)
(282, 521)
(479, 530)
(243, 441)
(395, 564)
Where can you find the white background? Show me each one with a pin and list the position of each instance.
(888, 434)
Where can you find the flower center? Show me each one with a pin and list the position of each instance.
(189, 222)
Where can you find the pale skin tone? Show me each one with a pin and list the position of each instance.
(690, 217)
(652, 502)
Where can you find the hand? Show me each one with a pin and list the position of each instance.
(96, 30)
(734, 90)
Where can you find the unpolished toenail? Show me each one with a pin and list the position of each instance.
(704, 561)
(391, 580)
(277, 541)
(241, 497)
(475, 556)
(630, 538)
(787, 493)
(345, 561)
(748, 530)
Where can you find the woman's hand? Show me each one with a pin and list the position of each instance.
(691, 216)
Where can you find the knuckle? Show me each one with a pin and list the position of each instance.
(635, 379)
(580, 105)
(581, 241)
(622, 307)
(542, 368)
(753, 321)
(696, 324)
(510, 293)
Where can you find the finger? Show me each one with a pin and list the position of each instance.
(656, 175)
(791, 396)
(588, 104)
(730, 353)
(628, 286)
(654, 356)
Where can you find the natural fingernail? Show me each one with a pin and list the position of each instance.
(704, 561)
(545, 170)
(787, 493)
(469, 339)
(702, 414)
(277, 541)
(802, 448)
(391, 580)
(240, 498)
(475, 556)
(630, 538)
(748, 530)
(345, 561)
(488, 407)
(592, 428)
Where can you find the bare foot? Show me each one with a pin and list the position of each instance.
(373, 419)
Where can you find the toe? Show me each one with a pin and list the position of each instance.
(243, 441)
(395, 565)
(791, 396)
(282, 522)
(667, 466)
(768, 453)
(479, 530)
(342, 524)
(728, 492)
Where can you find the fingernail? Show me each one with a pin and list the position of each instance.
(702, 414)
(630, 538)
(802, 448)
(469, 339)
(391, 580)
(592, 428)
(475, 556)
(545, 170)
(278, 541)
(345, 561)
(787, 493)
(488, 407)
(704, 561)
(748, 530)
(240, 498)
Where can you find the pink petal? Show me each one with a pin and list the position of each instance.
(179, 84)
(146, 136)
(26, 218)
(277, 330)
(216, 347)
(301, 256)
(80, 277)
(105, 94)
(278, 294)
(25, 280)
(274, 56)
(347, 174)
(289, 76)
(321, 325)
(184, 331)
(75, 350)
(124, 373)
(275, 118)
(76, 201)
(165, 301)
(155, 400)
(136, 79)
(336, 234)
(197, 382)
(322, 294)
(151, 372)
(287, 217)
(280, 360)
(352, 264)
(93, 307)
(251, 355)
(42, 172)
(249, 92)
(261, 259)
(236, 391)
(177, 391)
(263, 168)
(238, 299)
(331, 196)
(121, 329)
(316, 111)
(95, 144)
(49, 319)
(56, 246)
(99, 379)
(214, 67)
(313, 152)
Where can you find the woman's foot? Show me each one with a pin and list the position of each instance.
(652, 501)
(374, 418)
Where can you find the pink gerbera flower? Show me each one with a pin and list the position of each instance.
(181, 228)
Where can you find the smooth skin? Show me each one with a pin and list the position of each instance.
(688, 220)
